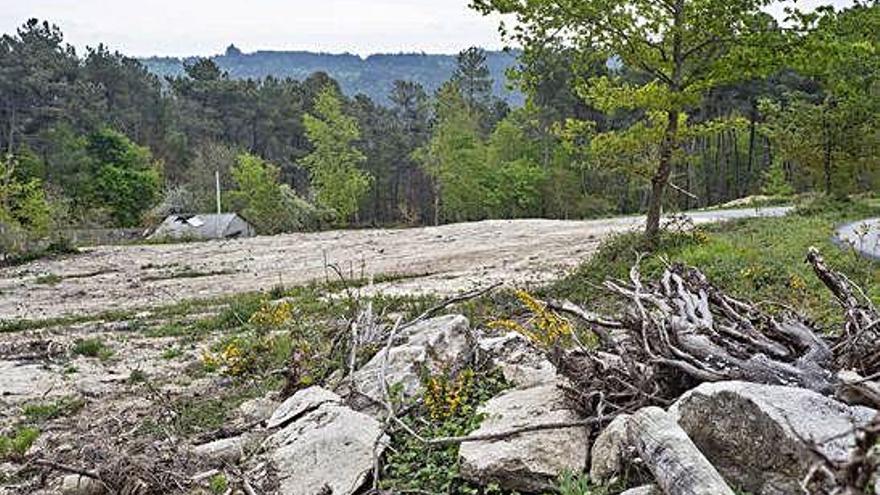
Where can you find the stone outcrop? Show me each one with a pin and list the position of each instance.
(757, 435)
(322, 446)
(530, 462)
(430, 346)
(521, 364)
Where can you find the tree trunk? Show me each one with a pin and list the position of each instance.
(661, 178)
(676, 463)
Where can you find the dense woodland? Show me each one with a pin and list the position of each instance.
(372, 75)
(717, 101)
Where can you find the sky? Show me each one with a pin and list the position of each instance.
(206, 27)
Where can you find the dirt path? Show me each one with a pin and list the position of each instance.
(442, 260)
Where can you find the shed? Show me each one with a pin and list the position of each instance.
(203, 227)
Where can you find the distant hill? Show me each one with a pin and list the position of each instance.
(372, 76)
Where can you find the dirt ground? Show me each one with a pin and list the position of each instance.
(439, 260)
(147, 369)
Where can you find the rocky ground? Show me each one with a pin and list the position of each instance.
(438, 260)
(189, 398)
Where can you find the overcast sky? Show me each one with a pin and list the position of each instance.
(204, 27)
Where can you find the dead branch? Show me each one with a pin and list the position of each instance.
(859, 347)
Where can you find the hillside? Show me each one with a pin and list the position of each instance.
(372, 76)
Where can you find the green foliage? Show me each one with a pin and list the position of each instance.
(411, 465)
(455, 158)
(333, 165)
(756, 259)
(271, 207)
(125, 180)
(218, 484)
(93, 348)
(15, 445)
(25, 212)
(46, 411)
(571, 483)
(775, 182)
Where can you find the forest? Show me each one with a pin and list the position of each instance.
(652, 117)
(373, 75)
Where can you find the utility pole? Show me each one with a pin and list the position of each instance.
(217, 181)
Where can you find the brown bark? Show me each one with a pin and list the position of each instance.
(661, 177)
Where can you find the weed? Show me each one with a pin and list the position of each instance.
(41, 412)
(137, 376)
(16, 444)
(48, 279)
(172, 353)
(93, 348)
(413, 466)
(218, 484)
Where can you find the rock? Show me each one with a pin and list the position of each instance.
(609, 451)
(259, 409)
(328, 448)
(643, 490)
(228, 449)
(75, 484)
(429, 346)
(519, 361)
(300, 403)
(530, 462)
(753, 433)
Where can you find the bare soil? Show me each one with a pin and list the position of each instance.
(440, 260)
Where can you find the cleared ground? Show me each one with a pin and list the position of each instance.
(441, 260)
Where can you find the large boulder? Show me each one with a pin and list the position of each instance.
(758, 436)
(325, 447)
(530, 462)
(427, 347)
(521, 364)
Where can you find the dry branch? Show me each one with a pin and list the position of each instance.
(678, 466)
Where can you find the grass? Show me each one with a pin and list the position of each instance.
(48, 279)
(758, 259)
(93, 348)
(46, 411)
(15, 445)
(172, 353)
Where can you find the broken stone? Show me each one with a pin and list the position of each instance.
(530, 462)
(519, 361)
(228, 449)
(259, 409)
(300, 403)
(327, 450)
(75, 484)
(643, 490)
(609, 451)
(758, 436)
(429, 346)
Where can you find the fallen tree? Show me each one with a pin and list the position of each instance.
(681, 330)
